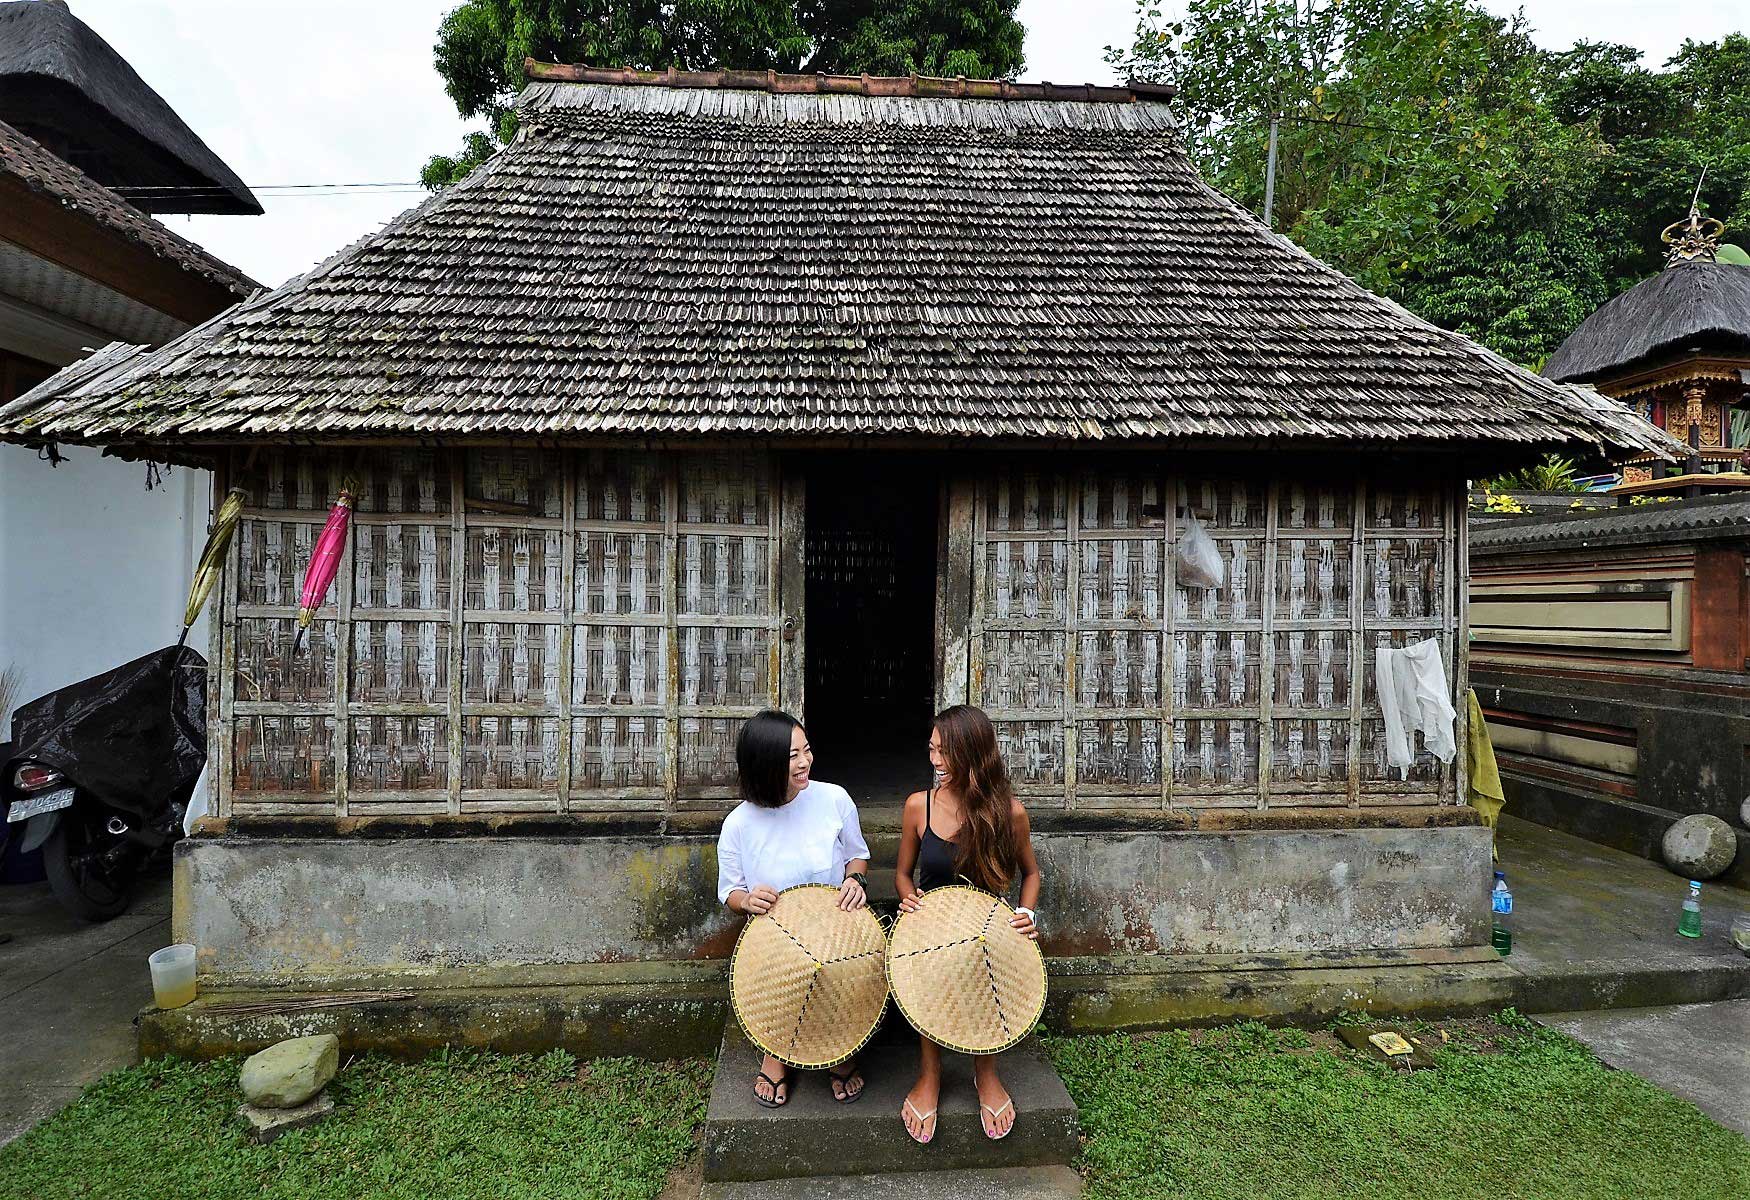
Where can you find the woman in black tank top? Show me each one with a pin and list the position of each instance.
(968, 827)
(935, 855)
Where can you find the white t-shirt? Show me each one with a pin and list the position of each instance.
(808, 840)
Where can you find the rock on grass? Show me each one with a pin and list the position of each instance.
(291, 1072)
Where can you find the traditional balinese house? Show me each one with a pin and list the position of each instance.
(1610, 648)
(83, 265)
(856, 396)
(1675, 348)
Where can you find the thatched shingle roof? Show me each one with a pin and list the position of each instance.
(56, 72)
(1698, 305)
(22, 158)
(825, 261)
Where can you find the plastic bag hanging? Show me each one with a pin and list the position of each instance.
(324, 564)
(1199, 557)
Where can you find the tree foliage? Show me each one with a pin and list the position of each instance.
(1432, 151)
(482, 43)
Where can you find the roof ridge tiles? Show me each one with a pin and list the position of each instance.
(821, 83)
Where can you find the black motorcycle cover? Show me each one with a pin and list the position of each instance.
(134, 737)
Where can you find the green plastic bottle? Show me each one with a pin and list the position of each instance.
(1689, 923)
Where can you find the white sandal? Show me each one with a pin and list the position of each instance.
(994, 1114)
(921, 1118)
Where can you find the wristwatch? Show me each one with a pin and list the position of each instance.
(860, 877)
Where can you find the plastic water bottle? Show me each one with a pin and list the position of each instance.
(1501, 902)
(1689, 922)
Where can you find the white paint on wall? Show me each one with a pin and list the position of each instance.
(94, 569)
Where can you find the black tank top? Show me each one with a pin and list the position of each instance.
(935, 854)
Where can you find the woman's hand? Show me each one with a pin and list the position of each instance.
(909, 903)
(1023, 925)
(851, 895)
(759, 901)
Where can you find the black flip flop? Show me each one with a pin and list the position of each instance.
(783, 1081)
(849, 1097)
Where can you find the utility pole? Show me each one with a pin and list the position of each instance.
(1270, 179)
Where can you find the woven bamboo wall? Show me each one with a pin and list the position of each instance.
(538, 631)
(1114, 686)
(512, 630)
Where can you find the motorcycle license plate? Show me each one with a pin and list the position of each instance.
(36, 806)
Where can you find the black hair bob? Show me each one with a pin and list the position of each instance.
(762, 758)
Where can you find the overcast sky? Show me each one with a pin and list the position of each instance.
(343, 91)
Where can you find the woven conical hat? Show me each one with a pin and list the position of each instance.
(962, 975)
(806, 980)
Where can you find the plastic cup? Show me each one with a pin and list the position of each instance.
(1741, 932)
(172, 975)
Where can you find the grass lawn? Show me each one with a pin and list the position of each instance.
(455, 1127)
(1510, 1111)
(1246, 1112)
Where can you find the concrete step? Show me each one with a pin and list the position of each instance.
(1001, 1183)
(812, 1136)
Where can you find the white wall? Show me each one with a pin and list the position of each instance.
(94, 569)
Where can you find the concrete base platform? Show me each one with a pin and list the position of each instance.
(1005, 1183)
(1596, 928)
(1174, 991)
(1699, 1052)
(660, 1010)
(647, 1010)
(814, 1136)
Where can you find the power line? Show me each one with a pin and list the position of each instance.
(259, 187)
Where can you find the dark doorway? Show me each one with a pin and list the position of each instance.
(871, 601)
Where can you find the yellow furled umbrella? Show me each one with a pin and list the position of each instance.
(212, 559)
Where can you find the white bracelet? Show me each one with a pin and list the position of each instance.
(1019, 909)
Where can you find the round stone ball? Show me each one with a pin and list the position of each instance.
(1700, 846)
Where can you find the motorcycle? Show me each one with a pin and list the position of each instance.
(99, 775)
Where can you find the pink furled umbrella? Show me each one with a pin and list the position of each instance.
(324, 564)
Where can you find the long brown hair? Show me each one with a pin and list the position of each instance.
(985, 847)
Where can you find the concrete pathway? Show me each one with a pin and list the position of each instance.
(1596, 928)
(68, 995)
(1700, 1052)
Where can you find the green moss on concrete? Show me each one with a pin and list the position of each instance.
(653, 1021)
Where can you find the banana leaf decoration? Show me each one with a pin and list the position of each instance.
(212, 560)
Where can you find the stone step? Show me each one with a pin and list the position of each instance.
(999, 1183)
(812, 1136)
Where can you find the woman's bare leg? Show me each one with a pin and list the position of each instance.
(992, 1096)
(920, 1107)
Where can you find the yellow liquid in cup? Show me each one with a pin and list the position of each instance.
(174, 997)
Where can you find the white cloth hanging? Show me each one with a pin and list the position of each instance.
(1413, 699)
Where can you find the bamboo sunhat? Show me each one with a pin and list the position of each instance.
(961, 973)
(806, 979)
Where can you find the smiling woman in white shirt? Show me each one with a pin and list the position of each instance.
(789, 828)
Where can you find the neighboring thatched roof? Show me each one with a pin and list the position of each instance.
(44, 45)
(22, 158)
(788, 256)
(1696, 305)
